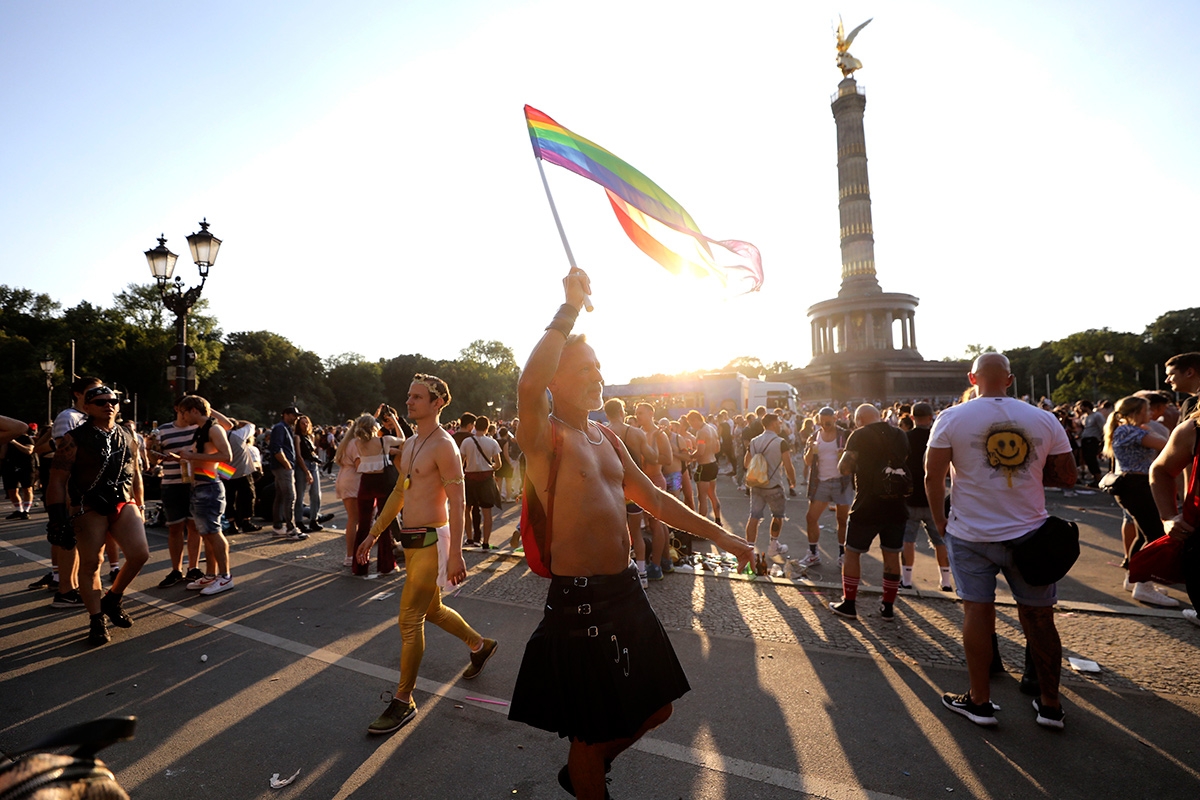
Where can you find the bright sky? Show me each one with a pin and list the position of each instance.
(1033, 165)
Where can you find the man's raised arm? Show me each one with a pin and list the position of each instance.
(532, 405)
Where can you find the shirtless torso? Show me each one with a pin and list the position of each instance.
(427, 460)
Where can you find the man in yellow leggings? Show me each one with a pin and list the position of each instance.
(430, 491)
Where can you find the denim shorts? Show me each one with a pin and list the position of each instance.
(177, 502)
(208, 504)
(976, 564)
(912, 528)
(831, 491)
(760, 499)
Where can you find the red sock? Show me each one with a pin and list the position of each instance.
(891, 585)
(850, 587)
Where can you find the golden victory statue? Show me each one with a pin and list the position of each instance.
(846, 62)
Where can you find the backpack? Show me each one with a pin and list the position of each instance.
(757, 476)
(535, 520)
(894, 480)
(80, 776)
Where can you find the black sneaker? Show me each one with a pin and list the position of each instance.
(980, 714)
(69, 599)
(904, 585)
(173, 577)
(250, 527)
(112, 576)
(323, 518)
(15, 515)
(46, 582)
(845, 608)
(1049, 717)
(887, 612)
(194, 574)
(110, 606)
(397, 715)
(98, 632)
(480, 658)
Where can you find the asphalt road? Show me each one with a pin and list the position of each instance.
(787, 700)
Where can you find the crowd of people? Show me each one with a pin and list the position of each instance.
(630, 492)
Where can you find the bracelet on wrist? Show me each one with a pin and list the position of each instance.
(564, 319)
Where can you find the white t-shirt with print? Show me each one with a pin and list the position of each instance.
(999, 448)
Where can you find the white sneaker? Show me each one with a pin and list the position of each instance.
(773, 548)
(1190, 615)
(202, 583)
(278, 532)
(1127, 586)
(783, 548)
(218, 585)
(811, 560)
(1147, 593)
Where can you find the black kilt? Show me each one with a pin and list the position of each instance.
(596, 676)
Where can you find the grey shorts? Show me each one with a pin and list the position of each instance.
(760, 499)
(976, 564)
(832, 492)
(177, 502)
(208, 504)
(916, 516)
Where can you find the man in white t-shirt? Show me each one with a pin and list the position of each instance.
(481, 459)
(1000, 453)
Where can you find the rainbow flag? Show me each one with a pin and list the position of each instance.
(650, 217)
(211, 469)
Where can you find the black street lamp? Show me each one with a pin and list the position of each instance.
(204, 248)
(47, 364)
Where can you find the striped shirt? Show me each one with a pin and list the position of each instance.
(174, 439)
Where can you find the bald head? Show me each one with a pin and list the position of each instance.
(991, 374)
(865, 415)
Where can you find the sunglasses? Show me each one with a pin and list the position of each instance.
(106, 401)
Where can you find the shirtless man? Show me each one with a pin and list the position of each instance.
(430, 492)
(96, 468)
(659, 444)
(599, 669)
(639, 450)
(708, 444)
(673, 468)
(210, 447)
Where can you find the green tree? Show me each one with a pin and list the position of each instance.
(265, 372)
(1094, 377)
(1173, 333)
(750, 366)
(1031, 365)
(357, 386)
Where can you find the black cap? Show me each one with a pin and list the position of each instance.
(291, 410)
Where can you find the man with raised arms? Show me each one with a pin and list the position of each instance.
(430, 492)
(599, 669)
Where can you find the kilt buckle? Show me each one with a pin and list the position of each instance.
(584, 608)
(579, 583)
(593, 632)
